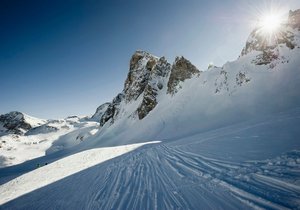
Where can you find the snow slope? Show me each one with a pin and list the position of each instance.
(18, 123)
(55, 135)
(254, 164)
(48, 174)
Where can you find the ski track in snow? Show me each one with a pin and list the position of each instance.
(183, 173)
(163, 177)
(60, 169)
(166, 177)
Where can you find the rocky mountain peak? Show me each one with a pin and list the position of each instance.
(137, 56)
(156, 82)
(141, 65)
(18, 123)
(182, 69)
(148, 77)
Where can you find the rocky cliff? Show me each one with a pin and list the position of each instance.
(182, 69)
(100, 111)
(148, 77)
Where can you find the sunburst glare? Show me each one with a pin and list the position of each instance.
(270, 23)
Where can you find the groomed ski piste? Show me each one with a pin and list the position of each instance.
(253, 164)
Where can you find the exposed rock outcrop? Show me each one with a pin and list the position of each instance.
(112, 110)
(140, 69)
(19, 123)
(241, 78)
(156, 82)
(221, 82)
(100, 111)
(268, 44)
(294, 19)
(148, 76)
(258, 41)
(182, 69)
(141, 65)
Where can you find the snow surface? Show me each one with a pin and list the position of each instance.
(33, 121)
(60, 169)
(254, 164)
(53, 136)
(16, 119)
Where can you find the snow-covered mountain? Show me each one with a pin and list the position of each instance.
(226, 137)
(148, 79)
(24, 137)
(18, 123)
(156, 92)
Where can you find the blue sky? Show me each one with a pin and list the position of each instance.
(60, 58)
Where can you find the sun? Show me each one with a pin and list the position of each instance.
(270, 23)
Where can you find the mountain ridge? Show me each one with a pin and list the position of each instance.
(157, 92)
(143, 64)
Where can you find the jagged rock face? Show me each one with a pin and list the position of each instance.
(141, 65)
(266, 57)
(100, 111)
(112, 110)
(156, 82)
(221, 82)
(147, 76)
(15, 123)
(268, 44)
(241, 78)
(140, 69)
(182, 69)
(294, 19)
(260, 42)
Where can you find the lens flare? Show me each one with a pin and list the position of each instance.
(270, 23)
